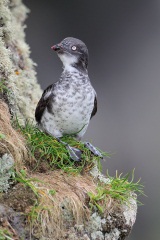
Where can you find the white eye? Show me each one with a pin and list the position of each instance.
(74, 48)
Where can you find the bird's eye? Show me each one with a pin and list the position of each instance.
(74, 48)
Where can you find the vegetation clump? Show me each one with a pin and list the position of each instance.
(119, 189)
(45, 148)
(5, 234)
(59, 193)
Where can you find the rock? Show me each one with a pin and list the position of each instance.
(6, 171)
(14, 223)
(20, 88)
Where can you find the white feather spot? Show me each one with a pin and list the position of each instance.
(68, 61)
(47, 95)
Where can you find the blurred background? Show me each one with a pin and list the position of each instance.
(123, 38)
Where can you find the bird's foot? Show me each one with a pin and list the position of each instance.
(93, 149)
(75, 153)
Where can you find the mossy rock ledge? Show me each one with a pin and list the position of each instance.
(38, 200)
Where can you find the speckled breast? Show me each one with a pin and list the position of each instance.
(72, 105)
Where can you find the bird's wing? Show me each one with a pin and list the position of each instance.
(43, 102)
(95, 107)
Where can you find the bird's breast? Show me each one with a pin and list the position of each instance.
(70, 108)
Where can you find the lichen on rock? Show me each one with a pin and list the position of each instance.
(6, 171)
(16, 67)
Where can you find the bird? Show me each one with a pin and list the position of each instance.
(67, 106)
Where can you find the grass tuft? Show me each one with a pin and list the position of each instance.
(122, 186)
(46, 148)
(119, 189)
(5, 234)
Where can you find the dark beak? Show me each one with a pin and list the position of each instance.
(56, 47)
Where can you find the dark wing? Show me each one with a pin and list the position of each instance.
(43, 102)
(94, 108)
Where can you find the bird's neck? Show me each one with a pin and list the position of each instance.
(80, 67)
(69, 68)
(72, 68)
(73, 75)
(72, 64)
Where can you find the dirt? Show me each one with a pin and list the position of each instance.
(19, 198)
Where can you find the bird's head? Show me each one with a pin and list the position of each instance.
(73, 53)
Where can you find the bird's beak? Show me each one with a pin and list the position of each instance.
(56, 47)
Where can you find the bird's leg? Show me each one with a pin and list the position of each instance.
(90, 147)
(74, 153)
(93, 149)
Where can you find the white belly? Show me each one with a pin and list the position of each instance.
(70, 114)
